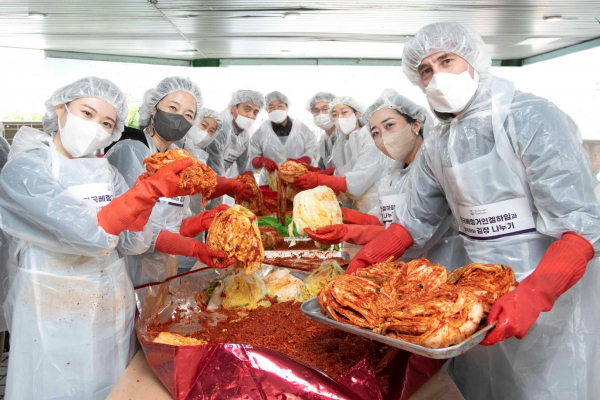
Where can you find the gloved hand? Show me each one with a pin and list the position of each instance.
(231, 187)
(192, 226)
(355, 234)
(562, 266)
(358, 218)
(122, 211)
(260, 162)
(328, 171)
(312, 180)
(173, 243)
(392, 242)
(303, 161)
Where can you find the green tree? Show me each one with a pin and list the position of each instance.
(19, 116)
(133, 116)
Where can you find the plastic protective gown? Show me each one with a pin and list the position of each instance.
(128, 156)
(236, 154)
(265, 143)
(71, 307)
(325, 147)
(356, 157)
(516, 177)
(7, 271)
(445, 247)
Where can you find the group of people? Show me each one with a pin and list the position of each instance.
(488, 175)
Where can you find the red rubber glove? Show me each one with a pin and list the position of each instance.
(562, 266)
(173, 243)
(355, 234)
(392, 242)
(312, 180)
(122, 211)
(328, 171)
(192, 226)
(260, 162)
(303, 161)
(358, 218)
(231, 187)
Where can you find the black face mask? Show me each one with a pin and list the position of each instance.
(171, 127)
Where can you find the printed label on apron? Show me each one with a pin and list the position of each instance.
(173, 201)
(491, 221)
(387, 205)
(100, 193)
(231, 155)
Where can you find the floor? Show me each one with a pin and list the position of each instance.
(3, 368)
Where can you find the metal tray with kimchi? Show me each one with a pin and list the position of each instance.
(304, 260)
(312, 310)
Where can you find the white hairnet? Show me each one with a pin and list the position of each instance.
(90, 86)
(317, 98)
(208, 113)
(444, 36)
(247, 96)
(390, 98)
(169, 85)
(349, 101)
(269, 97)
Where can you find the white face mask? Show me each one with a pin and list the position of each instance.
(278, 116)
(207, 139)
(243, 122)
(346, 125)
(450, 93)
(324, 121)
(398, 145)
(81, 138)
(196, 135)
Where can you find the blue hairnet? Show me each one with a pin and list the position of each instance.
(444, 36)
(390, 98)
(276, 96)
(317, 98)
(90, 86)
(247, 96)
(169, 85)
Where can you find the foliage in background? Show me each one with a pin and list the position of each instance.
(133, 116)
(17, 116)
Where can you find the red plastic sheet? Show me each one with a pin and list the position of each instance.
(234, 371)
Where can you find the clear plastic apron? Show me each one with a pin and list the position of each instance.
(154, 266)
(558, 357)
(344, 163)
(71, 317)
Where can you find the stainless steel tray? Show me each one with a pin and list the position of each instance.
(322, 254)
(312, 311)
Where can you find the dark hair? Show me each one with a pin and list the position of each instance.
(410, 120)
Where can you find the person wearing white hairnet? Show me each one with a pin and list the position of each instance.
(397, 126)
(280, 138)
(68, 215)
(169, 112)
(511, 168)
(358, 162)
(239, 118)
(208, 148)
(318, 106)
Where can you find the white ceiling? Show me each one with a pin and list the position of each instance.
(187, 29)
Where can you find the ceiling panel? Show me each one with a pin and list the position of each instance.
(187, 29)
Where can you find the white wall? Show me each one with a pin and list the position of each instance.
(27, 80)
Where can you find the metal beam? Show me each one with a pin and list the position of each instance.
(114, 58)
(562, 52)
